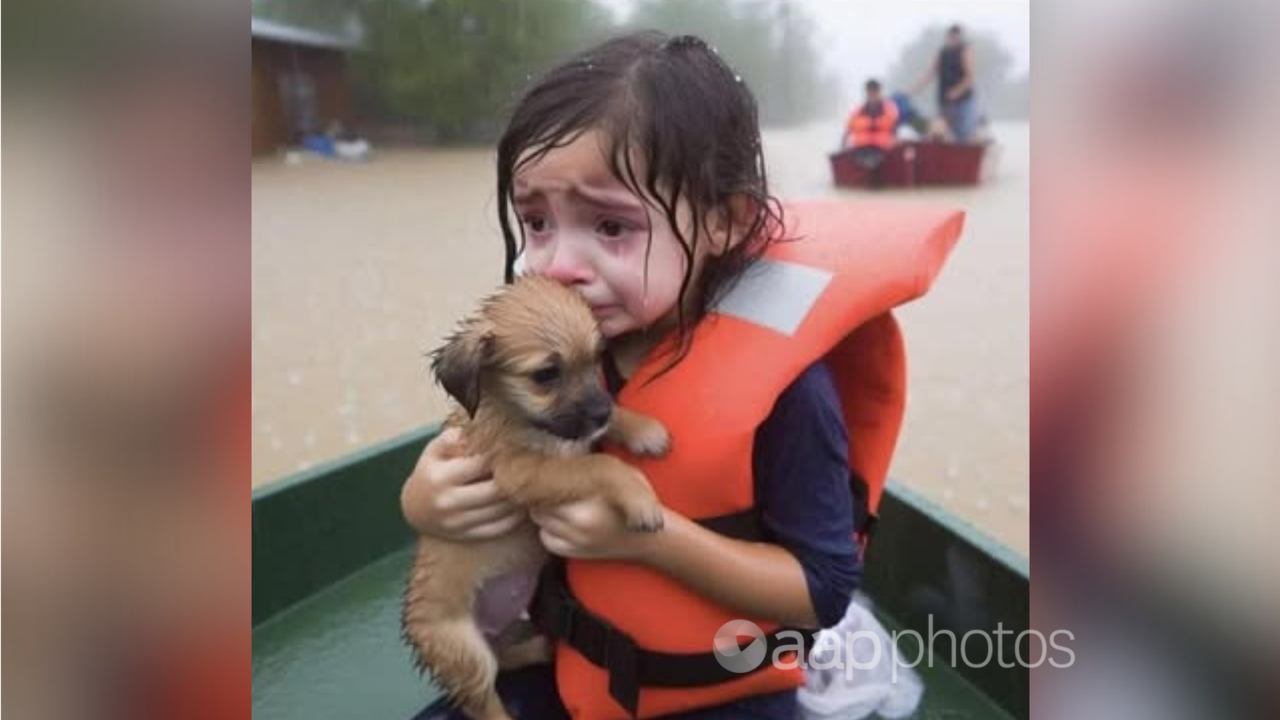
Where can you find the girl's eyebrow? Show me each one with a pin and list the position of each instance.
(607, 200)
(603, 199)
(523, 193)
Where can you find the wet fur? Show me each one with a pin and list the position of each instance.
(488, 366)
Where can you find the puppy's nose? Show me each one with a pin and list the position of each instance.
(599, 418)
(597, 411)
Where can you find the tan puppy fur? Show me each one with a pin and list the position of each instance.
(525, 371)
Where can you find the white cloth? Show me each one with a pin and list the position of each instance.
(839, 690)
(357, 149)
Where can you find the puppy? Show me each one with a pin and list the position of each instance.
(525, 371)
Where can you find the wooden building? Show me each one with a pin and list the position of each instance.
(299, 83)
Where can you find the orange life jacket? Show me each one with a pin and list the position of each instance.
(632, 642)
(878, 130)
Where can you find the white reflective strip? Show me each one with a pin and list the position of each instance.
(777, 295)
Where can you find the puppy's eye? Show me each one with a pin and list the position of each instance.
(546, 376)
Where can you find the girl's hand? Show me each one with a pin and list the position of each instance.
(453, 496)
(591, 529)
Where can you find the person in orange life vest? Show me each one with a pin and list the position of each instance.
(635, 175)
(872, 129)
(648, 255)
(875, 122)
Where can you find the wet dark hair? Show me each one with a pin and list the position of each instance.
(672, 104)
(872, 85)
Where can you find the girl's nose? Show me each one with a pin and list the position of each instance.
(567, 266)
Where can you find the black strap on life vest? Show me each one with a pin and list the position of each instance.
(630, 667)
(747, 525)
(563, 618)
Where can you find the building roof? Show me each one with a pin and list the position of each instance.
(280, 32)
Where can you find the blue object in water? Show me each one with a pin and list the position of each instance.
(907, 113)
(320, 145)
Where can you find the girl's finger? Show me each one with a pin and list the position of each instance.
(554, 544)
(497, 528)
(573, 513)
(579, 514)
(458, 498)
(448, 444)
(484, 515)
(564, 531)
(462, 470)
(545, 516)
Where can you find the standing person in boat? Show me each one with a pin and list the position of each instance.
(957, 96)
(872, 129)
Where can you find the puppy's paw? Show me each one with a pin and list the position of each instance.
(645, 517)
(648, 438)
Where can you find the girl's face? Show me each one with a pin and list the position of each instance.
(585, 229)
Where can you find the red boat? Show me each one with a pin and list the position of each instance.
(911, 164)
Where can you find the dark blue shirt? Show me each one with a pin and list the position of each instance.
(803, 491)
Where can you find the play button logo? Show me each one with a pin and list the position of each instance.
(730, 651)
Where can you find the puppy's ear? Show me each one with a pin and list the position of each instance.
(458, 363)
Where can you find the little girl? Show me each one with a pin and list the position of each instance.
(634, 174)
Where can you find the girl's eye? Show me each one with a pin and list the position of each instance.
(611, 229)
(546, 376)
(535, 223)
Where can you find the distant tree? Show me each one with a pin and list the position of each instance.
(336, 17)
(768, 42)
(452, 67)
(999, 95)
